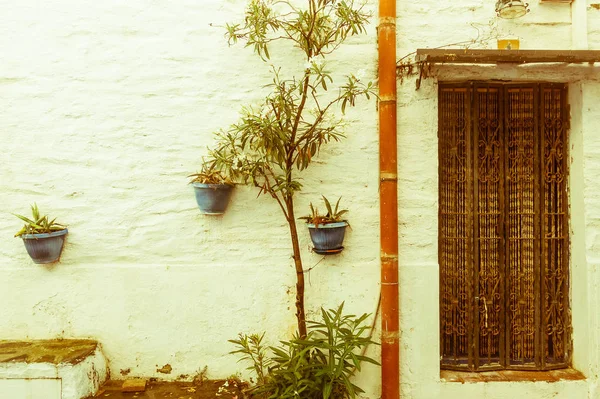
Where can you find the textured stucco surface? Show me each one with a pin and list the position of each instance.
(548, 26)
(31, 389)
(107, 106)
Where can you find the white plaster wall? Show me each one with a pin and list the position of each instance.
(593, 23)
(431, 24)
(30, 389)
(418, 253)
(106, 108)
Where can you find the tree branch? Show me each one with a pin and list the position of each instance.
(274, 194)
(292, 145)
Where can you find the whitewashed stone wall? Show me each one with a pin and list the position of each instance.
(593, 23)
(107, 106)
(431, 24)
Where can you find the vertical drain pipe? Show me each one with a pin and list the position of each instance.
(388, 202)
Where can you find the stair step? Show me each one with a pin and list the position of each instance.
(51, 369)
(207, 389)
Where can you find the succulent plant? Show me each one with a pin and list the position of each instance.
(332, 215)
(209, 174)
(39, 224)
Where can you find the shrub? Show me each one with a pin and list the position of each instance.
(317, 366)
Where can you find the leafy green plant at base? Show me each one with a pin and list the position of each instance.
(332, 215)
(39, 224)
(318, 366)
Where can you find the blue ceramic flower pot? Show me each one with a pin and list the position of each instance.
(46, 247)
(328, 238)
(212, 199)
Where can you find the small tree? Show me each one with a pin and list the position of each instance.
(280, 136)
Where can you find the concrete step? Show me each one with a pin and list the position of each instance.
(206, 389)
(51, 369)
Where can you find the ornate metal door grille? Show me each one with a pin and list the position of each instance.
(503, 226)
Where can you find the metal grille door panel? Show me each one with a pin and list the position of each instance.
(455, 227)
(489, 259)
(503, 226)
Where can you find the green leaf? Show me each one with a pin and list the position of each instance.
(340, 213)
(367, 359)
(327, 205)
(23, 218)
(21, 232)
(327, 391)
(35, 211)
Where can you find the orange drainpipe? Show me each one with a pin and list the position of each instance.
(388, 202)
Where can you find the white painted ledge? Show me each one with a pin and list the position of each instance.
(20, 380)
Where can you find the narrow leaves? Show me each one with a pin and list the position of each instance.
(39, 224)
(318, 366)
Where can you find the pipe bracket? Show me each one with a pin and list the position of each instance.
(388, 98)
(388, 176)
(387, 21)
(388, 258)
(390, 337)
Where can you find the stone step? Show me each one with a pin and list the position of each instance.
(207, 389)
(51, 369)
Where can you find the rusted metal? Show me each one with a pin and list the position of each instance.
(537, 234)
(470, 56)
(556, 318)
(388, 201)
(489, 277)
(503, 226)
(520, 212)
(455, 234)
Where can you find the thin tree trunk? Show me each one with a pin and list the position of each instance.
(289, 202)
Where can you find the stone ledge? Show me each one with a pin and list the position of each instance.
(53, 351)
(79, 365)
(511, 376)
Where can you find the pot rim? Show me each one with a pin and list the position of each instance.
(45, 235)
(333, 225)
(207, 185)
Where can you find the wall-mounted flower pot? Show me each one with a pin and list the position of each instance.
(328, 238)
(46, 247)
(212, 199)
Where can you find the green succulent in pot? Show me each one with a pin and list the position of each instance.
(39, 224)
(212, 188)
(43, 237)
(327, 231)
(210, 174)
(333, 215)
